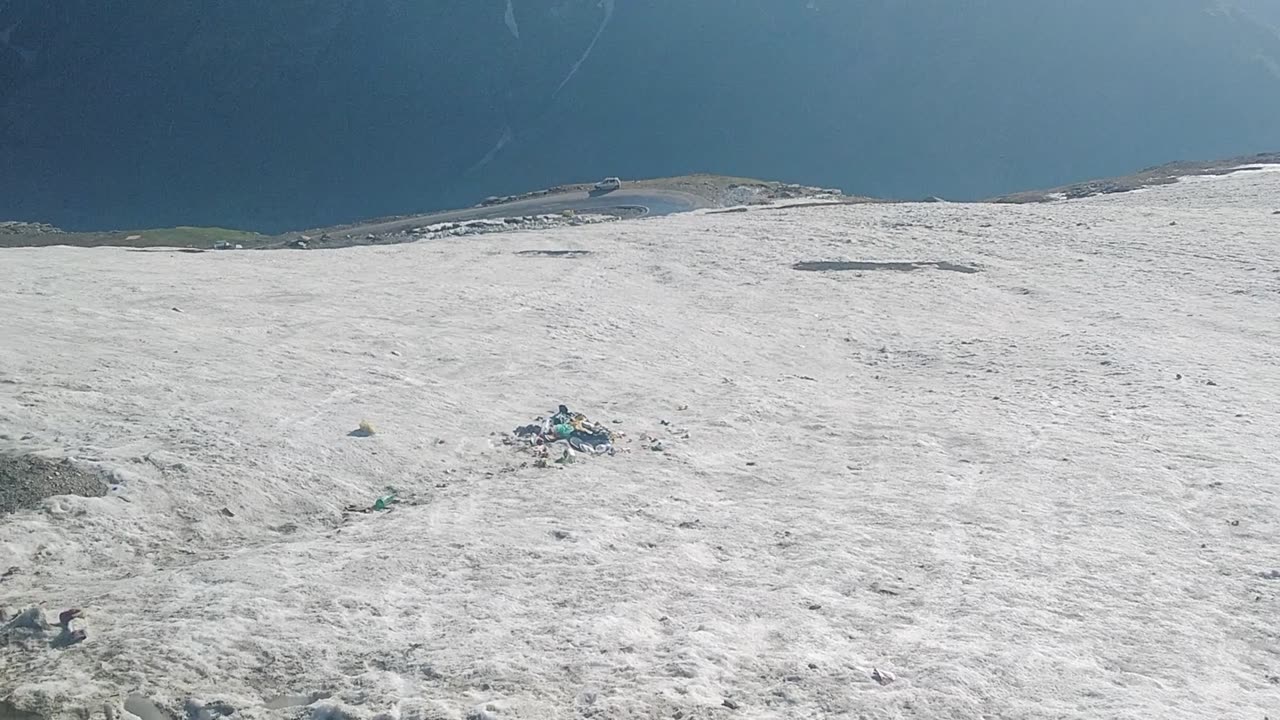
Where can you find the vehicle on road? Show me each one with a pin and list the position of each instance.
(609, 184)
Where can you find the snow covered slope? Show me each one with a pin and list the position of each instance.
(1047, 489)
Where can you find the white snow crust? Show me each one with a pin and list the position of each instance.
(1048, 489)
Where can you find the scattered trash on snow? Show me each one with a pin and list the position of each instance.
(884, 677)
(386, 501)
(574, 430)
(68, 635)
(382, 503)
(29, 629)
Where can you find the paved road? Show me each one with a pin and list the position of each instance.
(651, 201)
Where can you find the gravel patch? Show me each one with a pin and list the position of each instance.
(25, 480)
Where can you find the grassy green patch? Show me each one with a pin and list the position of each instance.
(202, 238)
(186, 236)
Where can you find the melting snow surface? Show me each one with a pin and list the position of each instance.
(1044, 490)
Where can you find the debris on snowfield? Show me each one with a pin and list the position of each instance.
(561, 433)
(965, 476)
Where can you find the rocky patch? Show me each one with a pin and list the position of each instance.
(25, 480)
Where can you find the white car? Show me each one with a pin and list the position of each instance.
(609, 184)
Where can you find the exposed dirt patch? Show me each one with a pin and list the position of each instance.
(1150, 177)
(846, 200)
(824, 203)
(839, 266)
(14, 235)
(25, 480)
(554, 253)
(714, 189)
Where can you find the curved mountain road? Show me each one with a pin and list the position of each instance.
(653, 201)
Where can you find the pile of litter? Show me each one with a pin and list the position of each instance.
(562, 433)
(29, 629)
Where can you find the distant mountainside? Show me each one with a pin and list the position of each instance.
(272, 115)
